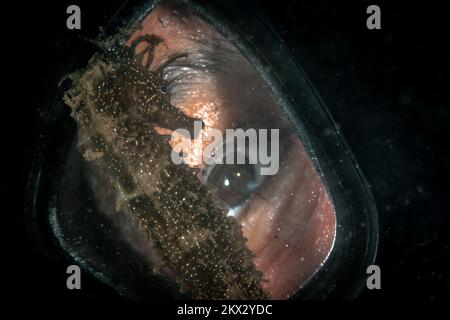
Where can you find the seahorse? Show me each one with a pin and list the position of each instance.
(117, 104)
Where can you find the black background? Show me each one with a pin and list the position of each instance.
(388, 90)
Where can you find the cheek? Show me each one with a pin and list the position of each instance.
(290, 225)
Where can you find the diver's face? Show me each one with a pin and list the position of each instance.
(232, 234)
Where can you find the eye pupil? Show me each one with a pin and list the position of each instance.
(164, 89)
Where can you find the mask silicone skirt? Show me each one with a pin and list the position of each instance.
(232, 234)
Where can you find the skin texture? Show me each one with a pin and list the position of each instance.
(185, 70)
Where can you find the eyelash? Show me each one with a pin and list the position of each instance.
(181, 71)
(184, 72)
